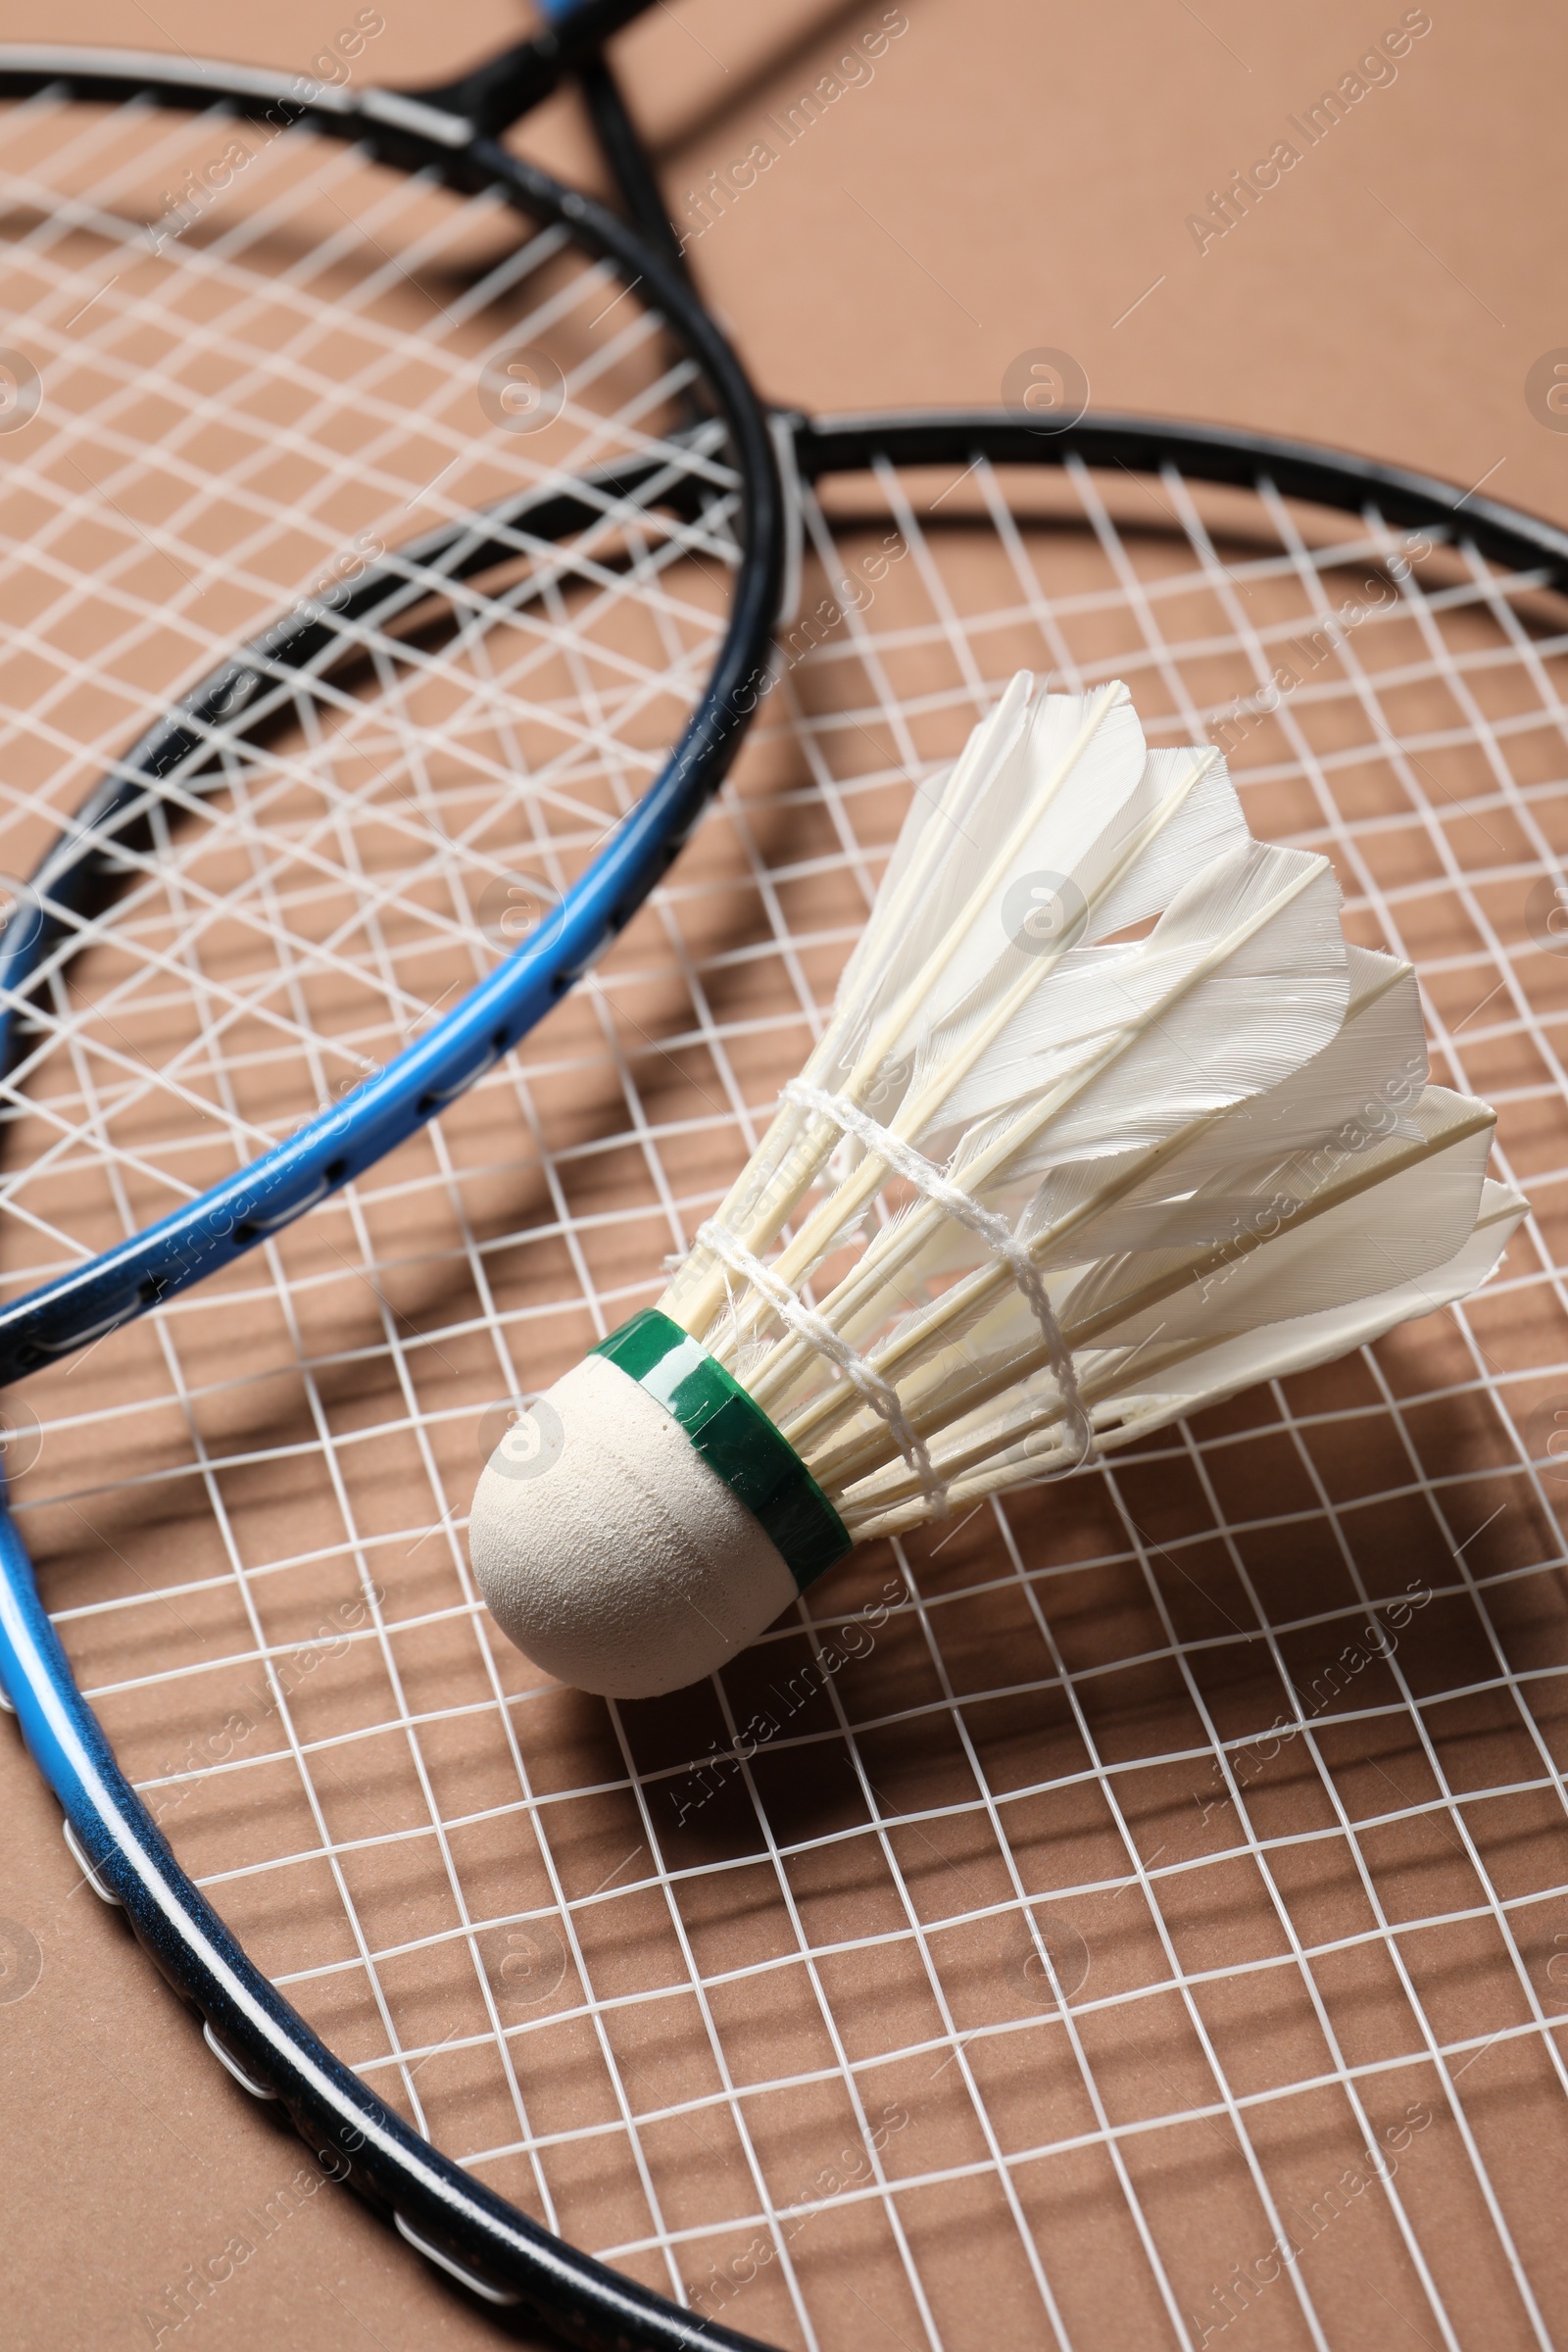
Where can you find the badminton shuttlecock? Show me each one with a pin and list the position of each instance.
(1107, 1122)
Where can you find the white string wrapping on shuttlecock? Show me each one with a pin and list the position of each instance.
(796, 1317)
(986, 1223)
(1158, 1072)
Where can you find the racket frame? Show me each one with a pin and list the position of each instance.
(327, 1151)
(491, 2248)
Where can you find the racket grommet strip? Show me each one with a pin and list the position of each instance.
(89, 1869)
(231, 2065)
(475, 2285)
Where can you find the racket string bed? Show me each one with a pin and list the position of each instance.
(922, 1657)
(1137, 1879)
(469, 659)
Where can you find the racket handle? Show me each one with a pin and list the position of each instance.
(500, 92)
(629, 162)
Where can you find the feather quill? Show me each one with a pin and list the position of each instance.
(1039, 1185)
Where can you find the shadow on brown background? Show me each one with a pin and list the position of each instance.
(1014, 176)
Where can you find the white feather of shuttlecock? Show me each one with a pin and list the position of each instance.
(1032, 1198)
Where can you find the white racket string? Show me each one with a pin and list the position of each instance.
(245, 417)
(1130, 1905)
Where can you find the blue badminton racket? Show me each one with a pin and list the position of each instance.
(488, 518)
(718, 485)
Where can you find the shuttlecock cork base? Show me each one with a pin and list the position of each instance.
(1107, 1122)
(646, 1521)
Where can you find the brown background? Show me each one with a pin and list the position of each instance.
(1015, 176)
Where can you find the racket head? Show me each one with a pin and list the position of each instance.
(372, 462)
(1070, 1918)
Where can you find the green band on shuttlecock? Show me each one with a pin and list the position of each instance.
(735, 1438)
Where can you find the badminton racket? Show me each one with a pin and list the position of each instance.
(543, 368)
(1139, 1916)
